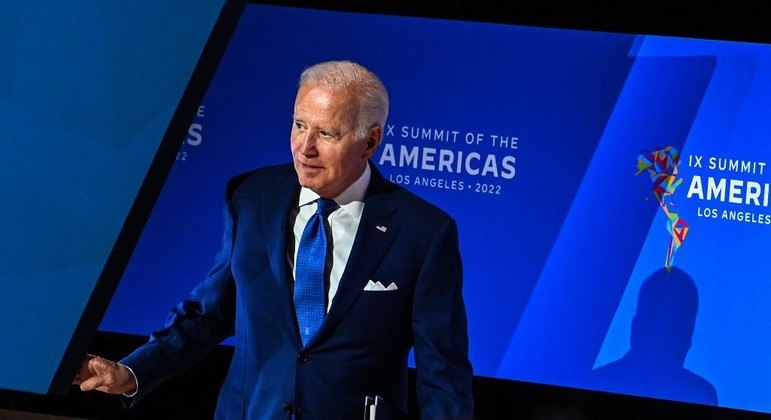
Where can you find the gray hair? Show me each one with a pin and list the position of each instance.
(370, 91)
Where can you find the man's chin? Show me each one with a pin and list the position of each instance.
(310, 183)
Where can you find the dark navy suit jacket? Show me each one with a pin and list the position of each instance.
(363, 345)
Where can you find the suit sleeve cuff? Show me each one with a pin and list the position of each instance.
(136, 383)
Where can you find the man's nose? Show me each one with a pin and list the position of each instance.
(308, 140)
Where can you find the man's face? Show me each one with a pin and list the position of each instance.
(326, 154)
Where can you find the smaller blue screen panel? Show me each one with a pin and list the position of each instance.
(87, 92)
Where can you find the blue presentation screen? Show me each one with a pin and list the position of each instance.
(87, 92)
(611, 190)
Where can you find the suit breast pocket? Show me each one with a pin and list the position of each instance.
(380, 315)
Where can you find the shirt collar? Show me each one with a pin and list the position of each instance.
(354, 192)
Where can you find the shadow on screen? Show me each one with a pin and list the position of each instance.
(661, 335)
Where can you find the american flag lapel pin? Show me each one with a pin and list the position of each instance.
(381, 228)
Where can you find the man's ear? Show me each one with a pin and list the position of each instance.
(373, 140)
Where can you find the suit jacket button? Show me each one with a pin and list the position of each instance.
(288, 408)
(302, 357)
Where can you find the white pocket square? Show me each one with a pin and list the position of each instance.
(376, 286)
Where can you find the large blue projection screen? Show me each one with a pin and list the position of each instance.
(87, 91)
(578, 164)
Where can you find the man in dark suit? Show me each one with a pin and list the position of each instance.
(392, 280)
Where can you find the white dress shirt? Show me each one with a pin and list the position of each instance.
(344, 222)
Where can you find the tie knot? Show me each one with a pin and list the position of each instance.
(325, 206)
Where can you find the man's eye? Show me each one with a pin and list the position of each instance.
(325, 134)
(299, 126)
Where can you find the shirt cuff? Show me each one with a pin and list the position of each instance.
(136, 382)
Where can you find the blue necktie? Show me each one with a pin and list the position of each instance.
(309, 288)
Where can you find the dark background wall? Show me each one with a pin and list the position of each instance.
(745, 20)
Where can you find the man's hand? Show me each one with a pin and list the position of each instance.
(104, 375)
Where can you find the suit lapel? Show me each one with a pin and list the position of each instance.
(376, 232)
